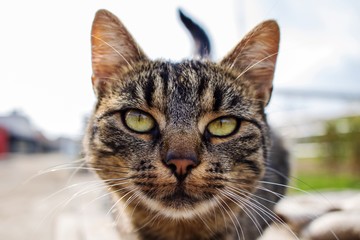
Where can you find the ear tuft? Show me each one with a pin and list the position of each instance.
(254, 58)
(113, 48)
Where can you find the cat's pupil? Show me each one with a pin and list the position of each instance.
(223, 127)
(139, 121)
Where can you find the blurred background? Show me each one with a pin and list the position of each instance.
(46, 94)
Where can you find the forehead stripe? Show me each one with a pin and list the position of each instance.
(149, 90)
(218, 97)
(202, 86)
(164, 74)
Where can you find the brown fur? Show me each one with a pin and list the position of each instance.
(184, 98)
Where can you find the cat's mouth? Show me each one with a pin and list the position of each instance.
(180, 197)
(182, 205)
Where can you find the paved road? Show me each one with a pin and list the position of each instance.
(27, 209)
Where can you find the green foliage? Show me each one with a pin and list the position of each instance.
(336, 164)
(326, 180)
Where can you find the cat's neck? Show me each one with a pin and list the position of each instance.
(146, 224)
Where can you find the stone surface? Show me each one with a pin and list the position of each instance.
(318, 216)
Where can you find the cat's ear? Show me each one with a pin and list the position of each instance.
(254, 58)
(113, 49)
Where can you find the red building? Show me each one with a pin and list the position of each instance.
(4, 141)
(17, 135)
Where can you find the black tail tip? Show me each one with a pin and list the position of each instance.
(202, 42)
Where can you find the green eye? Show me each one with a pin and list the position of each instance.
(139, 121)
(222, 127)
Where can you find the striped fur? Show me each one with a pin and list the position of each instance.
(183, 98)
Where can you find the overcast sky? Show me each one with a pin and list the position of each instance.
(45, 59)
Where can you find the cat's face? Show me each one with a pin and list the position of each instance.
(177, 136)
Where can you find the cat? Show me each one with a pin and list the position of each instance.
(184, 147)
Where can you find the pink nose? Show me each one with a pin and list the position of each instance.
(181, 166)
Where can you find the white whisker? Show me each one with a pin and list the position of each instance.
(75, 172)
(119, 200)
(254, 65)
(257, 206)
(232, 220)
(106, 194)
(52, 170)
(229, 196)
(115, 50)
(100, 182)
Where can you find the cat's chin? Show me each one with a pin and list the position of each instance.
(181, 206)
(179, 199)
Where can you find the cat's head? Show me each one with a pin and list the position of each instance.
(179, 137)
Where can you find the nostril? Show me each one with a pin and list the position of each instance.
(188, 168)
(172, 167)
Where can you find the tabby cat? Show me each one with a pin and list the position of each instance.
(184, 147)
